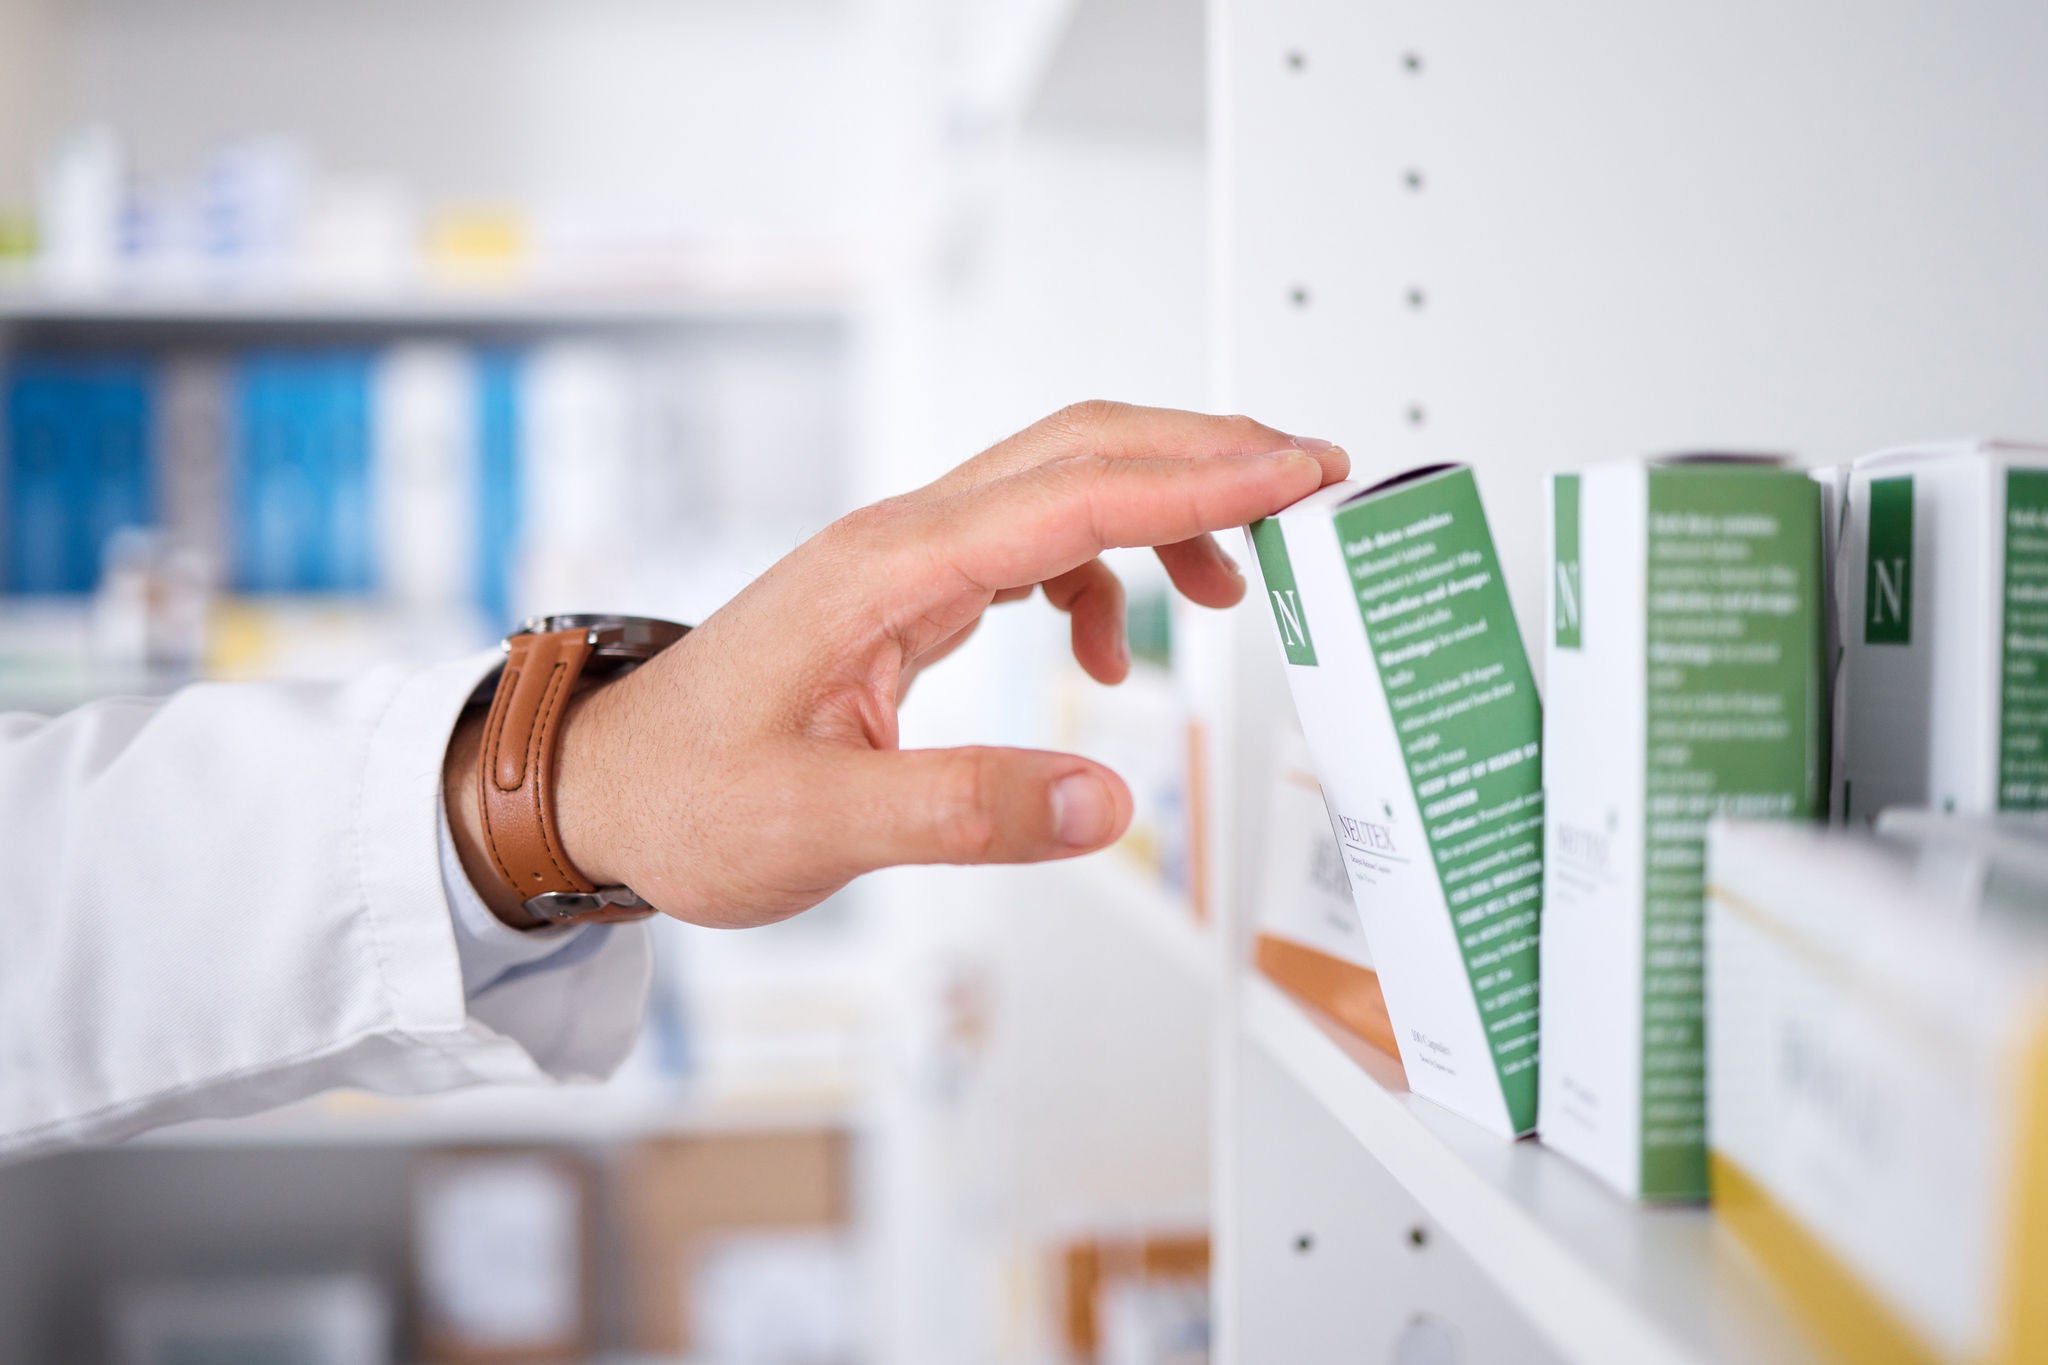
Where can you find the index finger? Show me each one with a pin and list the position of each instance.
(1043, 521)
(1124, 431)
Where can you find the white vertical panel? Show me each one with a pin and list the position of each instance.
(1532, 236)
(1791, 226)
(1340, 1266)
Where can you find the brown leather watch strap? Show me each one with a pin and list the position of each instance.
(516, 776)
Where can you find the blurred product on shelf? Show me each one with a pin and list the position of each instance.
(478, 243)
(1309, 940)
(396, 479)
(1685, 678)
(739, 1247)
(262, 218)
(299, 473)
(339, 1319)
(784, 1297)
(151, 608)
(1878, 1047)
(427, 449)
(78, 211)
(501, 1255)
(1142, 729)
(1944, 583)
(79, 465)
(1414, 691)
(1136, 1299)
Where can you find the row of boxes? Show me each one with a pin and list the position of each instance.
(1726, 637)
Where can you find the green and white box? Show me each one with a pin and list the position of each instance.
(1414, 692)
(1685, 678)
(1944, 679)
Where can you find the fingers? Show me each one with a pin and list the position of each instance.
(1203, 572)
(975, 805)
(1094, 597)
(1122, 431)
(1042, 522)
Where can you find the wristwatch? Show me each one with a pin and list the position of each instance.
(547, 661)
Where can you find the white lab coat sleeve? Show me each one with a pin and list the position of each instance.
(232, 898)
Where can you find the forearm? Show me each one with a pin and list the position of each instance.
(228, 900)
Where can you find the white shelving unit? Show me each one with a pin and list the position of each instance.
(1534, 238)
(1597, 1277)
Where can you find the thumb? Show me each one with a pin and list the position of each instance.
(979, 805)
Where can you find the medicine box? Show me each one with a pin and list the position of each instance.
(1685, 677)
(1944, 680)
(1309, 940)
(1415, 695)
(1878, 1048)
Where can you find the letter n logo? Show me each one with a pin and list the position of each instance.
(1565, 600)
(1278, 570)
(1888, 576)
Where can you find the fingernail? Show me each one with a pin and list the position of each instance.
(1314, 445)
(1296, 456)
(1081, 810)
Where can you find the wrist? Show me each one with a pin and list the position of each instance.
(586, 778)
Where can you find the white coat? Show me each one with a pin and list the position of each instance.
(235, 897)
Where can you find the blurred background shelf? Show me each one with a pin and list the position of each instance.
(503, 1115)
(1599, 1277)
(426, 307)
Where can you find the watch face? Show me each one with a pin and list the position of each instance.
(614, 637)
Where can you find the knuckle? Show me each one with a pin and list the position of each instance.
(878, 524)
(1083, 421)
(967, 821)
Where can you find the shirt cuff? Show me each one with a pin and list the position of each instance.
(489, 949)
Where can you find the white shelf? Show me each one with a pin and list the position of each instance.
(1599, 1277)
(493, 1115)
(422, 307)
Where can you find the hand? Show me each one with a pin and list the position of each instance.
(751, 770)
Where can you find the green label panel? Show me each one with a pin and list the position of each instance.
(1465, 708)
(1564, 568)
(1281, 594)
(1888, 572)
(1734, 709)
(2023, 684)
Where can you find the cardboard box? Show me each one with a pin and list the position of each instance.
(679, 1196)
(1878, 1046)
(1685, 678)
(1944, 583)
(1092, 1271)
(1414, 691)
(1309, 940)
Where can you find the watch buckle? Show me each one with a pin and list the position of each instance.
(561, 907)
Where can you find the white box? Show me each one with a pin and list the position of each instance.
(1309, 939)
(1944, 581)
(1878, 1047)
(1684, 678)
(1414, 691)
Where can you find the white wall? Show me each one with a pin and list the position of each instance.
(29, 52)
